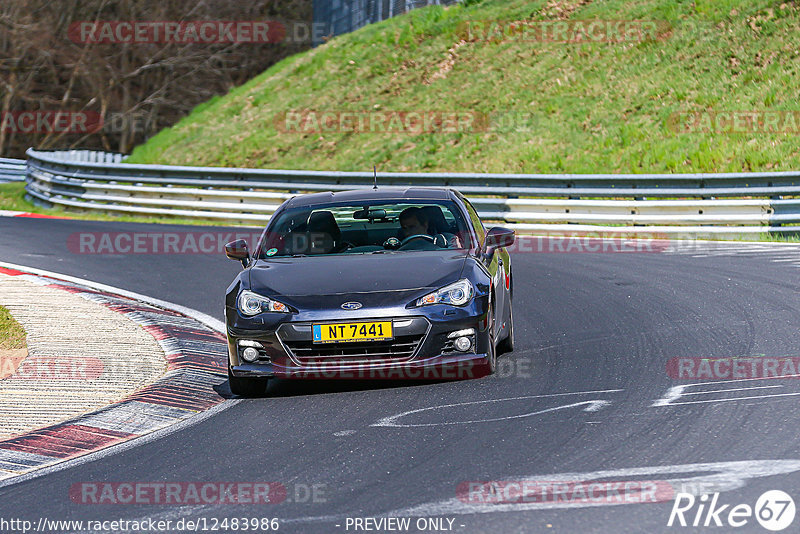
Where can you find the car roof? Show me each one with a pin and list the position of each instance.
(380, 194)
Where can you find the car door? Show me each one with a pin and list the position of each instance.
(494, 265)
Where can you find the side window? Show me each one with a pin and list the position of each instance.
(476, 222)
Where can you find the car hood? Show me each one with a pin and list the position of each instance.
(356, 273)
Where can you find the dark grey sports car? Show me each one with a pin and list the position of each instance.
(379, 283)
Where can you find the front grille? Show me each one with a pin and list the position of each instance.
(400, 349)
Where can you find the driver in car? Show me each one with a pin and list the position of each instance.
(413, 221)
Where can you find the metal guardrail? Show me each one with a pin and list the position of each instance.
(707, 203)
(12, 170)
(86, 156)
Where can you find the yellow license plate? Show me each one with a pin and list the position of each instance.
(335, 333)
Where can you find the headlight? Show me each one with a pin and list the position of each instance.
(252, 304)
(456, 294)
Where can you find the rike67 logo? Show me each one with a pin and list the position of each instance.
(774, 510)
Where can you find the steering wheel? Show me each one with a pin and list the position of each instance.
(417, 236)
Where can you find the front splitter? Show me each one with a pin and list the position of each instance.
(440, 367)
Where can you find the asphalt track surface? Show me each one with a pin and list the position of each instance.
(602, 323)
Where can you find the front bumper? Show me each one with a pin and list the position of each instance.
(433, 357)
(440, 367)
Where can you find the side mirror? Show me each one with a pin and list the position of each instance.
(498, 237)
(237, 250)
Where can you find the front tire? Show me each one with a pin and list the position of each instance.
(491, 348)
(247, 387)
(492, 367)
(507, 345)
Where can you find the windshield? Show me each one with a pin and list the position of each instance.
(363, 228)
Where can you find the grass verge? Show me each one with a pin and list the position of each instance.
(12, 335)
(554, 107)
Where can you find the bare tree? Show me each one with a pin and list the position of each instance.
(132, 89)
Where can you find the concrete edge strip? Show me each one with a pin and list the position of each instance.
(182, 397)
(9, 213)
(211, 322)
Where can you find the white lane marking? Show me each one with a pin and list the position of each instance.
(592, 406)
(736, 399)
(688, 244)
(719, 477)
(211, 322)
(740, 380)
(774, 252)
(341, 433)
(676, 392)
(595, 405)
(731, 389)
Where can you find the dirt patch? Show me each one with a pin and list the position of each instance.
(447, 65)
(563, 9)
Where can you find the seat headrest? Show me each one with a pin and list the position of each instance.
(436, 221)
(324, 222)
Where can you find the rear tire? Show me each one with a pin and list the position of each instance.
(247, 387)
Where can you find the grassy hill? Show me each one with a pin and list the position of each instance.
(548, 106)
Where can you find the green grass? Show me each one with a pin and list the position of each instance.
(12, 197)
(599, 107)
(12, 335)
(579, 108)
(775, 238)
